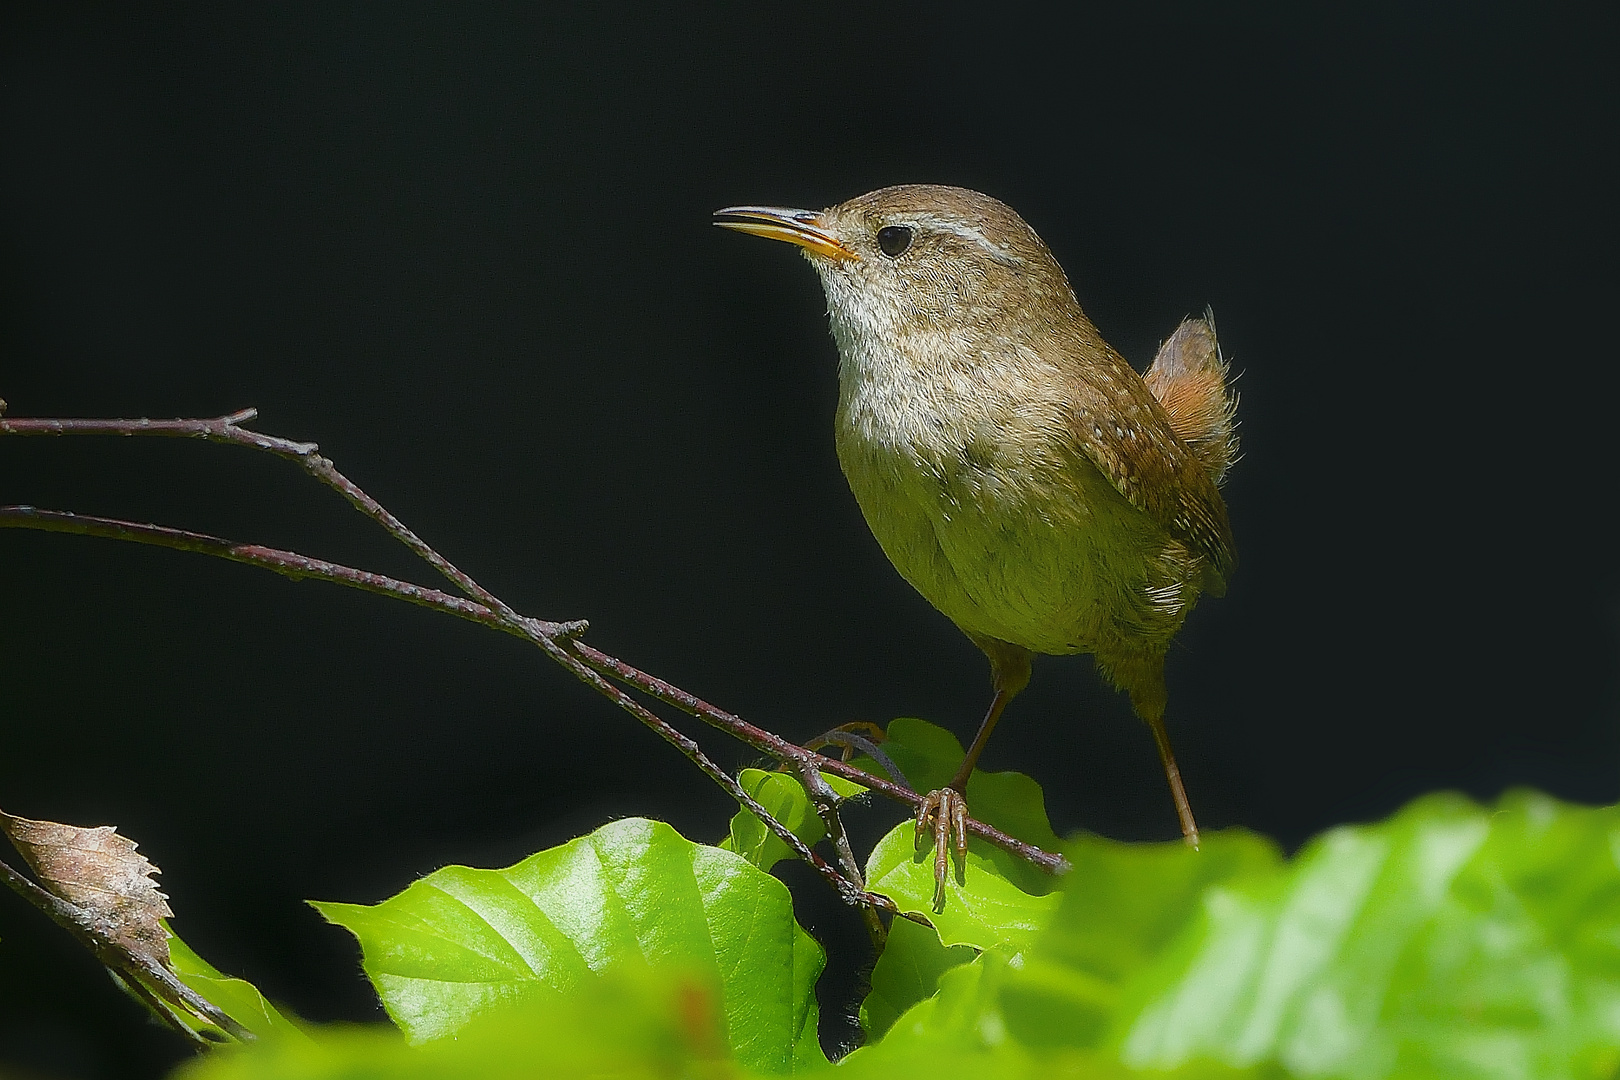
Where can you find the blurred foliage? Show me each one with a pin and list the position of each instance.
(1452, 940)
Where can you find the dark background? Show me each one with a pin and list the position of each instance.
(469, 252)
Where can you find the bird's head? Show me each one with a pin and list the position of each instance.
(921, 258)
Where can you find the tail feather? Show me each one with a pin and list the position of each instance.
(1189, 377)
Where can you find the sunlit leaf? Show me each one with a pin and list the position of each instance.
(1450, 940)
(962, 1034)
(1124, 907)
(929, 755)
(982, 908)
(462, 942)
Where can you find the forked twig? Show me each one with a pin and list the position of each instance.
(294, 565)
(557, 639)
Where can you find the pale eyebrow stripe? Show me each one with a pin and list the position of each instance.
(968, 232)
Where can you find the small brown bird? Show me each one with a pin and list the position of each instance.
(1014, 468)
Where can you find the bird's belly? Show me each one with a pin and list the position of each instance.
(1046, 565)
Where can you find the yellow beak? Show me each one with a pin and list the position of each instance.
(801, 227)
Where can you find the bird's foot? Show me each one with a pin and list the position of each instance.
(873, 733)
(858, 735)
(943, 815)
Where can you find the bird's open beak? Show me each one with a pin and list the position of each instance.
(802, 227)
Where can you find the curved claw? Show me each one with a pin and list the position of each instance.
(943, 816)
(865, 737)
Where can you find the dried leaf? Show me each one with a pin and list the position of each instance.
(100, 872)
(94, 884)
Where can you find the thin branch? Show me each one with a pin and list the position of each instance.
(557, 639)
(578, 655)
(287, 563)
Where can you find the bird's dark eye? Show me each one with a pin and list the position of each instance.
(894, 239)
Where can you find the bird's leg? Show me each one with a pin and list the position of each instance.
(1189, 827)
(1142, 676)
(943, 813)
(986, 726)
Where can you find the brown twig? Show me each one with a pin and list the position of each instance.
(288, 563)
(557, 639)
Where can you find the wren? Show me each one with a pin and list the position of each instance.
(1013, 467)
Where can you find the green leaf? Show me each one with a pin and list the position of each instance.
(908, 972)
(237, 997)
(928, 754)
(956, 1025)
(462, 942)
(962, 1034)
(1449, 940)
(1123, 908)
(784, 798)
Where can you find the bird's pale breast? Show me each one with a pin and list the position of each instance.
(991, 512)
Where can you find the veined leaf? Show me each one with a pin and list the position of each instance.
(1011, 801)
(462, 942)
(1450, 941)
(982, 908)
